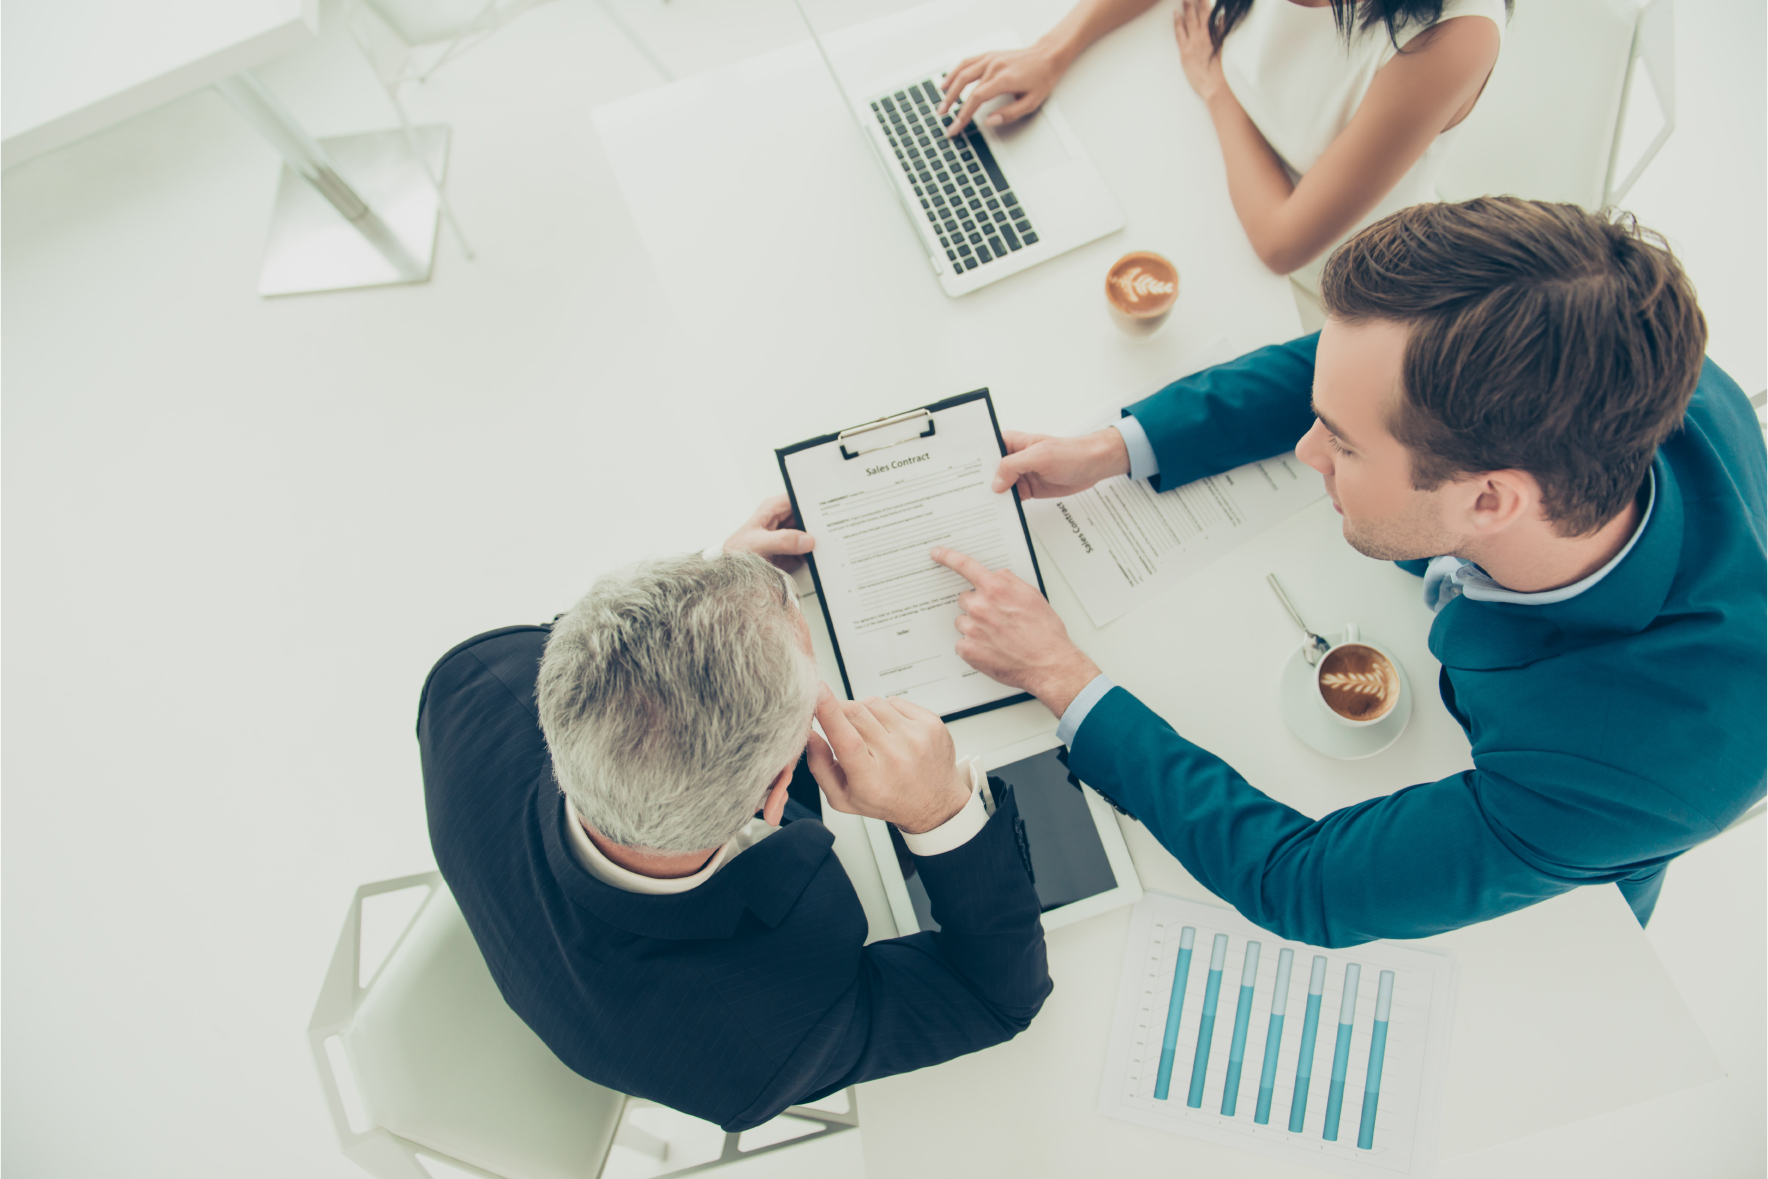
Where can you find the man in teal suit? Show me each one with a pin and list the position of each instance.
(1509, 398)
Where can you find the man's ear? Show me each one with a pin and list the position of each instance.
(774, 809)
(1498, 499)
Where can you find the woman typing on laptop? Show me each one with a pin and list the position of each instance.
(1330, 113)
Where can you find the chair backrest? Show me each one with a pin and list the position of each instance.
(1547, 126)
(441, 1062)
(423, 22)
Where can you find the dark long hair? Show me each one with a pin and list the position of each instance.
(1351, 16)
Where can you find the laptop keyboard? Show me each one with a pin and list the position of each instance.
(966, 199)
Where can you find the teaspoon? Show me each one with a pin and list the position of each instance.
(1315, 645)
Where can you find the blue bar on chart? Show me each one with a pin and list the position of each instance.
(1242, 1016)
(1218, 954)
(1377, 1049)
(1341, 1051)
(1267, 1078)
(1164, 1078)
(1310, 1027)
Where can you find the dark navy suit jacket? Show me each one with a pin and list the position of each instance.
(747, 994)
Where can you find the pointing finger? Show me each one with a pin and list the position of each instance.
(965, 566)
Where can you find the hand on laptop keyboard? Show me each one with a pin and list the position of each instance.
(1028, 73)
(961, 190)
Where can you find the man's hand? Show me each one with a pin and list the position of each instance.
(1012, 635)
(1028, 73)
(891, 760)
(772, 533)
(1043, 467)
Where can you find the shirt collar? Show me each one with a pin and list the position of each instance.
(766, 882)
(608, 872)
(1448, 577)
(1487, 635)
(612, 874)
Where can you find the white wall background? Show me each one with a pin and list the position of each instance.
(237, 532)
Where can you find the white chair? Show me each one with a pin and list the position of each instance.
(426, 1059)
(1569, 103)
(409, 40)
(448, 28)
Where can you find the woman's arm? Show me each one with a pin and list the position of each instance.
(1413, 99)
(1032, 73)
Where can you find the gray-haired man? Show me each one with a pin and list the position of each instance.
(605, 800)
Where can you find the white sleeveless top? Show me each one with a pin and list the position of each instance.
(1300, 84)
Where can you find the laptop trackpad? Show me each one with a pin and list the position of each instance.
(1027, 147)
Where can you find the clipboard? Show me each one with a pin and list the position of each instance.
(876, 439)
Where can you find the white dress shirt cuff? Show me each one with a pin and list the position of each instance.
(962, 827)
(1078, 708)
(1143, 464)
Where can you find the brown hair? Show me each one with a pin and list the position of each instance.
(1544, 338)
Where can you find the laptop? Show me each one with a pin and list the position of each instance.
(992, 201)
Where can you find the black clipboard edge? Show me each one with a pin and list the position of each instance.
(782, 452)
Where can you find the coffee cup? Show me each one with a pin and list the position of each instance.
(1356, 682)
(1141, 288)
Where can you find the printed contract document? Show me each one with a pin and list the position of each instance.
(1119, 542)
(877, 499)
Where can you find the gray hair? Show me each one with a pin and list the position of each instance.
(673, 694)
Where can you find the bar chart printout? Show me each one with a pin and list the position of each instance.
(1341, 1050)
(1381, 1056)
(1304, 1058)
(1212, 990)
(1242, 1017)
(1267, 1078)
(1175, 1007)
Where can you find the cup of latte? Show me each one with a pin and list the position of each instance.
(1141, 288)
(1357, 683)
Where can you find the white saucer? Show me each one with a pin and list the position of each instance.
(1298, 702)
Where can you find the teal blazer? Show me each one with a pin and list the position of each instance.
(1611, 732)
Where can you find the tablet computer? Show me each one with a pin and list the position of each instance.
(1079, 862)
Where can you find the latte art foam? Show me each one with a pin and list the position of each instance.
(1142, 285)
(1358, 682)
(1135, 284)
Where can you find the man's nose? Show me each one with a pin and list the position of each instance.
(1312, 451)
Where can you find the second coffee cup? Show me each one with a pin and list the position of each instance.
(1141, 288)
(1356, 682)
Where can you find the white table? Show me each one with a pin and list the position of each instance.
(810, 308)
(808, 301)
(73, 67)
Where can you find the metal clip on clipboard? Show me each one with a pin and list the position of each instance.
(885, 423)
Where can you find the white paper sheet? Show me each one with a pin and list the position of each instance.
(1407, 1111)
(892, 609)
(1120, 543)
